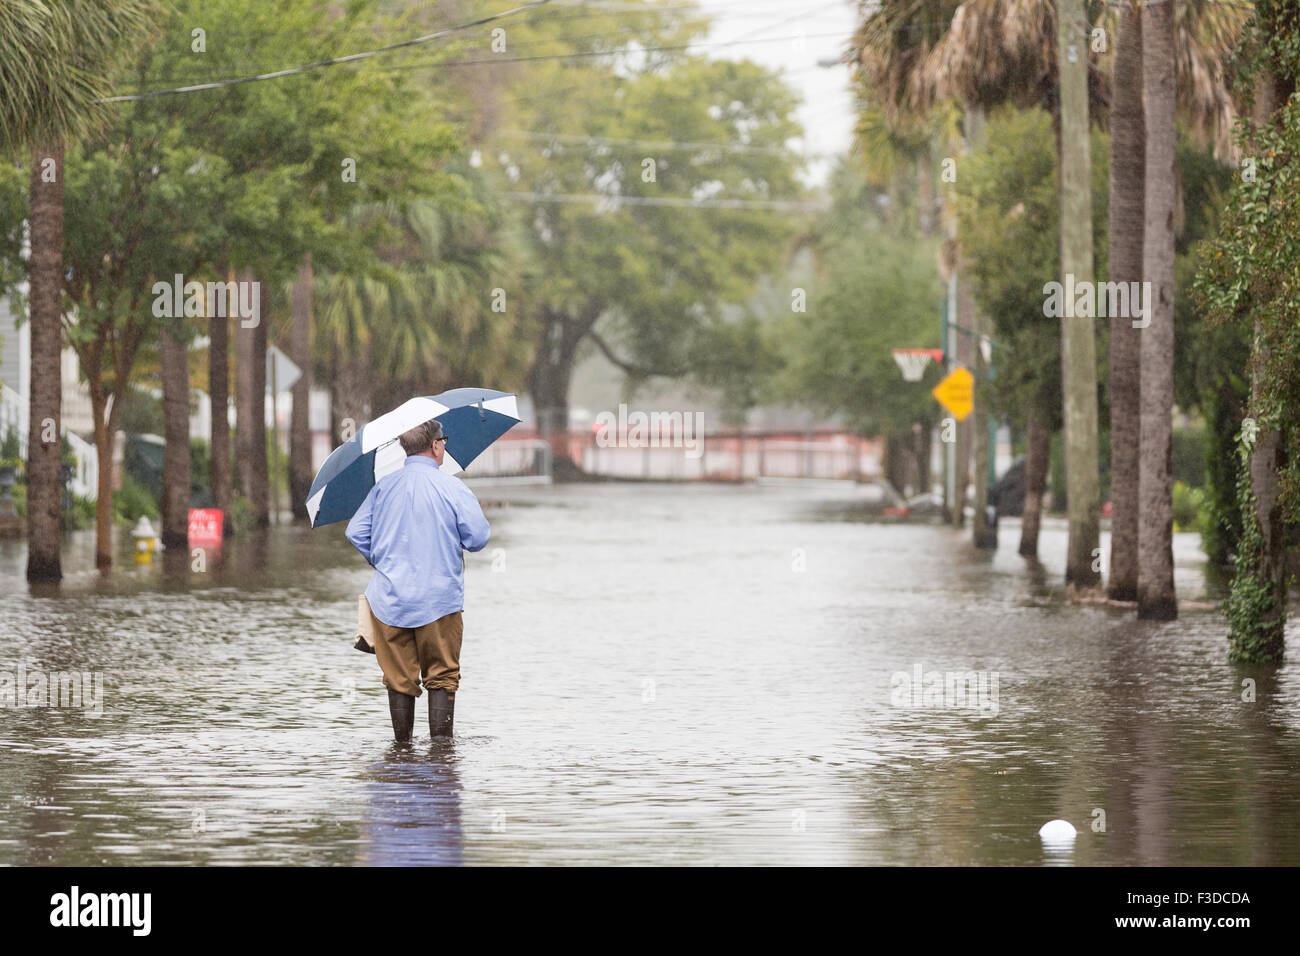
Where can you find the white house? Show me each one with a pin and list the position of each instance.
(15, 394)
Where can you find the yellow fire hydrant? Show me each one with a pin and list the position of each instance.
(146, 541)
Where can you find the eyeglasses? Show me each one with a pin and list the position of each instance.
(443, 439)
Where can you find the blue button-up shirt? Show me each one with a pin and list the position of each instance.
(412, 528)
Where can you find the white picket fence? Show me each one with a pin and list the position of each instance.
(13, 414)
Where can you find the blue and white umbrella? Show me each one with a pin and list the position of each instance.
(472, 419)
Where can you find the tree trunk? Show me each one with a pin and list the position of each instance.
(898, 460)
(1156, 598)
(1258, 602)
(962, 453)
(104, 507)
(1127, 187)
(548, 384)
(219, 392)
(1263, 641)
(300, 463)
(1037, 455)
(176, 452)
(250, 414)
(983, 531)
(1078, 345)
(351, 391)
(921, 454)
(44, 429)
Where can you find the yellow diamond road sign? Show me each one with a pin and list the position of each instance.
(957, 393)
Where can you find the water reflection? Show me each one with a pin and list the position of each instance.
(413, 807)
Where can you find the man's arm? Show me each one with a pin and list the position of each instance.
(359, 528)
(473, 526)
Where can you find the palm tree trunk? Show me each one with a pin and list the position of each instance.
(1127, 186)
(44, 430)
(300, 463)
(1156, 598)
(1078, 345)
(176, 451)
(250, 414)
(1037, 455)
(548, 384)
(219, 392)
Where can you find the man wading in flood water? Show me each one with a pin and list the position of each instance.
(412, 528)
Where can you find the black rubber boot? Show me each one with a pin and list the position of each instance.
(441, 708)
(401, 707)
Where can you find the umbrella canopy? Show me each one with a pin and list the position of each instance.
(472, 419)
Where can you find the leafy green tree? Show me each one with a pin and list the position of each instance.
(633, 273)
(250, 180)
(874, 291)
(1250, 274)
(56, 60)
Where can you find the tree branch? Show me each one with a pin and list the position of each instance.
(627, 367)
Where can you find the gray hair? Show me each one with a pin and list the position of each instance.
(421, 438)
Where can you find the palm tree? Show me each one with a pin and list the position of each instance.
(1127, 183)
(1205, 33)
(55, 62)
(1078, 335)
(983, 52)
(1156, 598)
(421, 316)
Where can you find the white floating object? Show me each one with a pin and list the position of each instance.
(1057, 831)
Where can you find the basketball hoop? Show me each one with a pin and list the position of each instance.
(913, 361)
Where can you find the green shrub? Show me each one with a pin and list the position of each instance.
(1187, 455)
(134, 501)
(200, 465)
(240, 516)
(81, 515)
(1191, 511)
(9, 449)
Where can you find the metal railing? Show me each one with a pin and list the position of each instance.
(521, 461)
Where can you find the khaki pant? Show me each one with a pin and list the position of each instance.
(428, 655)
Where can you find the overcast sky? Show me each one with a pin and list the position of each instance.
(793, 36)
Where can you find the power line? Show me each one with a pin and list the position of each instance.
(585, 54)
(323, 63)
(480, 61)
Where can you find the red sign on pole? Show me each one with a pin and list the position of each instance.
(205, 526)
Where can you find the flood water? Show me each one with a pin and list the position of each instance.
(651, 674)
